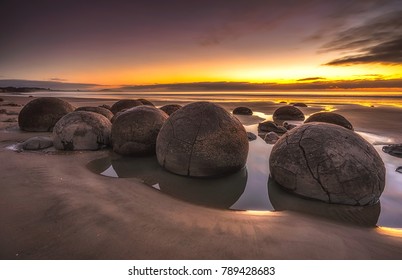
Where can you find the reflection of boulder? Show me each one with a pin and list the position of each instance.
(356, 215)
(220, 192)
(330, 117)
(329, 163)
(43, 113)
(202, 140)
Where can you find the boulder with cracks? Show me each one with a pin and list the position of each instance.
(329, 163)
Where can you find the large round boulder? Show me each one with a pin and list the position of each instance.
(82, 130)
(288, 113)
(330, 117)
(43, 113)
(202, 140)
(329, 163)
(100, 110)
(170, 108)
(134, 132)
(124, 104)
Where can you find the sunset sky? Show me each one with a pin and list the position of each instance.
(102, 44)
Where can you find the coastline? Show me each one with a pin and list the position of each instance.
(52, 207)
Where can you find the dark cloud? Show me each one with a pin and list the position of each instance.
(46, 84)
(311, 79)
(378, 40)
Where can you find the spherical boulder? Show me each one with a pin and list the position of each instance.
(170, 108)
(329, 163)
(242, 111)
(146, 102)
(202, 140)
(100, 110)
(330, 117)
(124, 104)
(43, 113)
(134, 132)
(288, 113)
(82, 130)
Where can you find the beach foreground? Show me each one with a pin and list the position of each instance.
(53, 207)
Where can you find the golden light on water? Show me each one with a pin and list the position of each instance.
(395, 232)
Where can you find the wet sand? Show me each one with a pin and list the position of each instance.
(53, 207)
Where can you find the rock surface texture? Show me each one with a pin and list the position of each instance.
(82, 131)
(43, 113)
(124, 104)
(288, 113)
(242, 111)
(330, 117)
(202, 140)
(134, 132)
(270, 126)
(100, 110)
(36, 143)
(170, 108)
(329, 163)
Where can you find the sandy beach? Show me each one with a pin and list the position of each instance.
(53, 207)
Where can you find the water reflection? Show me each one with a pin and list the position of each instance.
(220, 192)
(357, 215)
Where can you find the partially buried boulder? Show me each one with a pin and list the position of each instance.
(393, 150)
(82, 131)
(270, 126)
(300, 104)
(271, 138)
(329, 163)
(100, 110)
(170, 108)
(251, 136)
(43, 113)
(146, 102)
(288, 113)
(36, 143)
(330, 117)
(124, 104)
(202, 140)
(242, 111)
(134, 132)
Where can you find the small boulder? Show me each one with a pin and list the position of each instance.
(330, 117)
(399, 169)
(242, 111)
(105, 106)
(37, 143)
(134, 131)
(124, 104)
(105, 112)
(251, 136)
(288, 113)
(82, 130)
(170, 108)
(271, 137)
(202, 139)
(300, 104)
(268, 126)
(41, 114)
(329, 163)
(393, 150)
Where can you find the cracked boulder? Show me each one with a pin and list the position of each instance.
(125, 104)
(288, 113)
(100, 110)
(170, 108)
(82, 130)
(330, 117)
(41, 114)
(134, 132)
(202, 140)
(329, 163)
